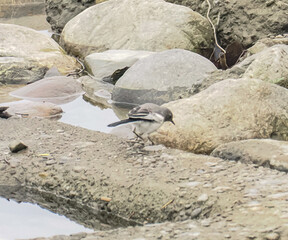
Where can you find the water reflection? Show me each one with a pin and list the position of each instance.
(28, 220)
(83, 114)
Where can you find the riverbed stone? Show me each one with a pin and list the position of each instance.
(272, 69)
(265, 43)
(97, 91)
(162, 77)
(231, 110)
(262, 152)
(27, 54)
(17, 146)
(3, 113)
(268, 64)
(104, 64)
(57, 90)
(28, 109)
(152, 25)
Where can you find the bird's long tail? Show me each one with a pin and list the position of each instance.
(122, 122)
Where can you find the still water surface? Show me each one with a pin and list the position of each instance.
(26, 220)
(83, 114)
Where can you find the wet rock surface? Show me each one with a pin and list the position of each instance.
(203, 197)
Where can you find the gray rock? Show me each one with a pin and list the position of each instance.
(96, 91)
(263, 152)
(234, 24)
(27, 54)
(271, 69)
(203, 198)
(57, 90)
(16, 146)
(196, 212)
(60, 12)
(265, 43)
(162, 77)
(152, 25)
(231, 110)
(260, 65)
(272, 236)
(103, 64)
(18, 70)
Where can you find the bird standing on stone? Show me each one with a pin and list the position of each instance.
(145, 119)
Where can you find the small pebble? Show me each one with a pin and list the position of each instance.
(203, 198)
(16, 146)
(196, 212)
(272, 236)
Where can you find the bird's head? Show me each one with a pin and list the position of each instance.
(169, 116)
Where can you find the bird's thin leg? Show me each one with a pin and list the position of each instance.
(134, 131)
(151, 140)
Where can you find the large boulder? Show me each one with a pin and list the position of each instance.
(104, 64)
(233, 109)
(27, 54)
(57, 90)
(263, 152)
(151, 25)
(244, 21)
(162, 77)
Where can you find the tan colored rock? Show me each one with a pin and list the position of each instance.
(262, 152)
(265, 43)
(269, 65)
(27, 108)
(233, 109)
(151, 25)
(28, 51)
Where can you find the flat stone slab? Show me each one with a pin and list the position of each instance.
(262, 152)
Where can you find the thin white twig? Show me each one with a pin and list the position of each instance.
(214, 30)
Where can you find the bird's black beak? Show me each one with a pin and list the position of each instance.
(172, 121)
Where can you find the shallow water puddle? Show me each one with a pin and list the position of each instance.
(26, 220)
(83, 114)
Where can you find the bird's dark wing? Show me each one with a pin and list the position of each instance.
(122, 122)
(146, 112)
(140, 112)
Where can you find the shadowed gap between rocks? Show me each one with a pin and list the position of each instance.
(96, 217)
